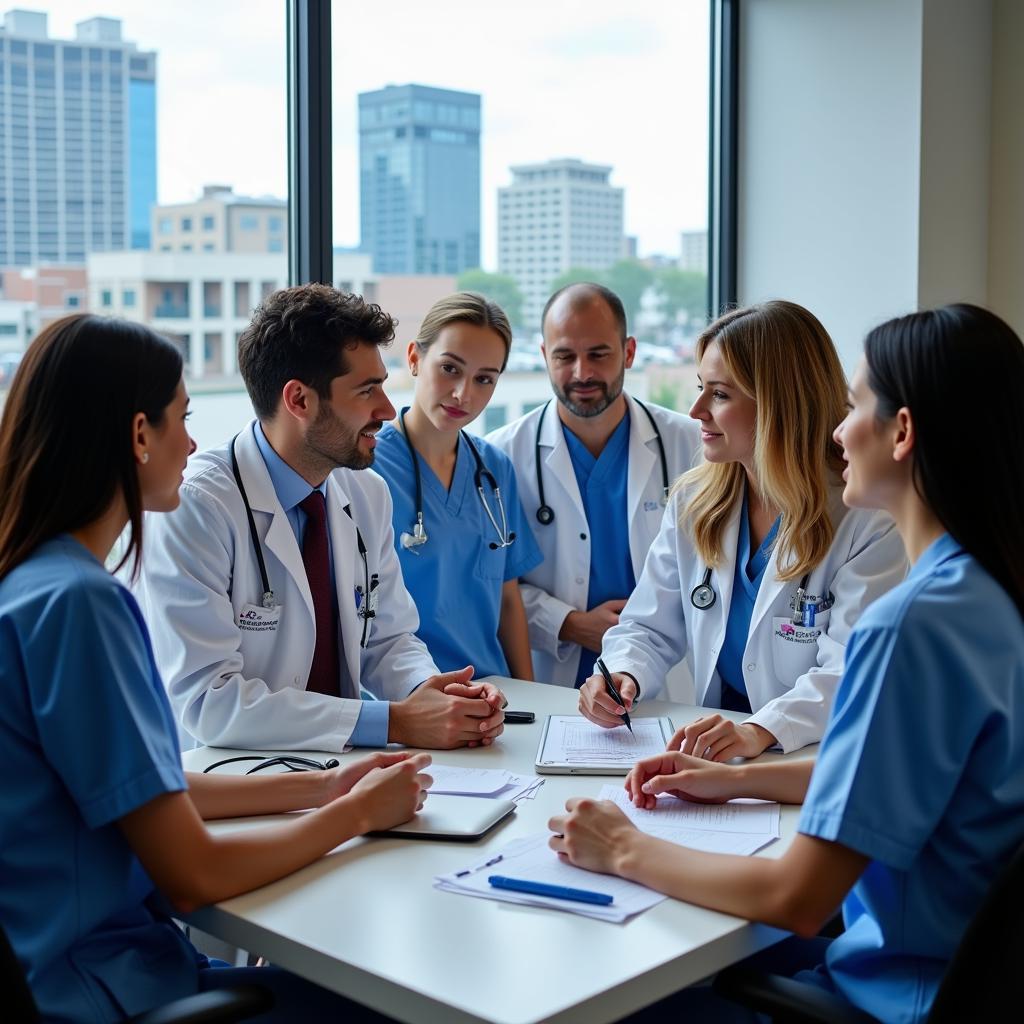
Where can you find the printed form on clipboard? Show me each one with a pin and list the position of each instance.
(572, 745)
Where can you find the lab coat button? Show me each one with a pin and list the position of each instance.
(579, 580)
(295, 681)
(751, 667)
(583, 536)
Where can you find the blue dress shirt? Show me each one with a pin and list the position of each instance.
(602, 483)
(371, 728)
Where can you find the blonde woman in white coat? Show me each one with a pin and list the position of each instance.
(759, 573)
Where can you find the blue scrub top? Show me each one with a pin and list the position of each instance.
(747, 575)
(87, 732)
(920, 770)
(455, 579)
(602, 483)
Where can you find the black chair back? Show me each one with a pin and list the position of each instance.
(17, 1000)
(981, 980)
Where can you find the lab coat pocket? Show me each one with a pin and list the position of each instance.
(795, 647)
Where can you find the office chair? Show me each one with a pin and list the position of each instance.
(224, 1006)
(980, 982)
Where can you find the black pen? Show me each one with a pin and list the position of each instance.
(615, 693)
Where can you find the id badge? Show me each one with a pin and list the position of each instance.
(254, 618)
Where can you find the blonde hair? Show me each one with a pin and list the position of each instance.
(781, 356)
(465, 308)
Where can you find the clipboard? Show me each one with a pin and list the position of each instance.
(621, 749)
(458, 818)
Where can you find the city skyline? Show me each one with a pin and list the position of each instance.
(563, 85)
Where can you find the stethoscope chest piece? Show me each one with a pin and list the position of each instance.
(545, 515)
(702, 596)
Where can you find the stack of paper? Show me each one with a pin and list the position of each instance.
(571, 739)
(483, 782)
(531, 858)
(734, 827)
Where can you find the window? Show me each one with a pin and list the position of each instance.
(72, 301)
(165, 226)
(248, 222)
(128, 298)
(106, 298)
(275, 223)
(186, 223)
(208, 223)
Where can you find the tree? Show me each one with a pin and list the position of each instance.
(682, 291)
(629, 279)
(499, 288)
(575, 275)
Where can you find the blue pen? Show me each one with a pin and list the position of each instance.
(560, 892)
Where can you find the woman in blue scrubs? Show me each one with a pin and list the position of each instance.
(917, 798)
(460, 531)
(102, 835)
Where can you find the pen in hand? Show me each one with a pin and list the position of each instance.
(614, 693)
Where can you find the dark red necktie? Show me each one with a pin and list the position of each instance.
(325, 672)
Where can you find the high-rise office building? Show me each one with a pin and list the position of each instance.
(693, 251)
(553, 217)
(77, 141)
(419, 179)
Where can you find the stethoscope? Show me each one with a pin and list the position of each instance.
(366, 595)
(418, 537)
(546, 514)
(804, 607)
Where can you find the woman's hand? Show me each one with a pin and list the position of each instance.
(595, 835)
(682, 776)
(719, 739)
(339, 781)
(391, 795)
(598, 705)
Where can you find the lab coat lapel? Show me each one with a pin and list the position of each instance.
(348, 572)
(643, 454)
(715, 619)
(279, 540)
(558, 463)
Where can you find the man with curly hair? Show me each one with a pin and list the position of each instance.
(273, 593)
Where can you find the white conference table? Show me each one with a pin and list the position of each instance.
(366, 921)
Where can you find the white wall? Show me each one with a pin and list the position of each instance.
(1006, 210)
(866, 131)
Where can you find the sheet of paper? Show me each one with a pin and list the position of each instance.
(571, 739)
(741, 828)
(532, 859)
(453, 780)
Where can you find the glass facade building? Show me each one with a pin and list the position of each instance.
(419, 179)
(77, 141)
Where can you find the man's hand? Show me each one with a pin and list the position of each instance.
(682, 776)
(594, 835)
(434, 718)
(588, 628)
(719, 739)
(597, 704)
(390, 795)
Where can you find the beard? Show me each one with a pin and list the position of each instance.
(591, 406)
(336, 444)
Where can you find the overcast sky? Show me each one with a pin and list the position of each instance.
(611, 82)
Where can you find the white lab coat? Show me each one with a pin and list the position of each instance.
(791, 673)
(560, 584)
(243, 687)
